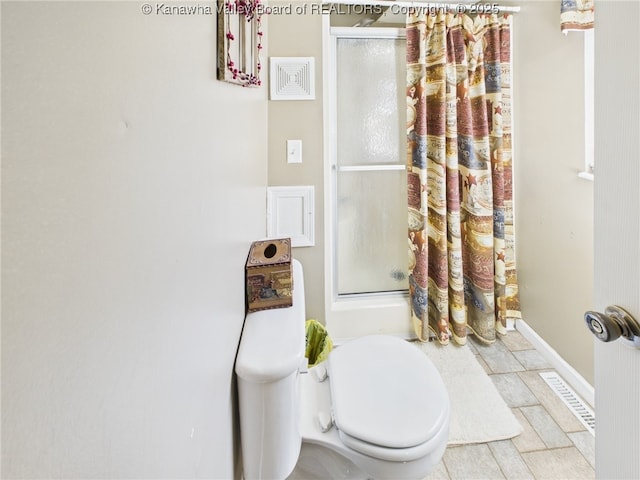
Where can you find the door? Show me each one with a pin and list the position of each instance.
(617, 233)
(370, 163)
(366, 287)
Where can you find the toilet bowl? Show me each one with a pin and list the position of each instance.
(376, 408)
(381, 406)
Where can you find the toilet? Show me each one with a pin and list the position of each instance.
(376, 408)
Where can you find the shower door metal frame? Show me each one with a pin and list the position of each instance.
(352, 315)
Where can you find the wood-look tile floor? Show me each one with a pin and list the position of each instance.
(554, 443)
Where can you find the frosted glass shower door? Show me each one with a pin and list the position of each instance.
(371, 190)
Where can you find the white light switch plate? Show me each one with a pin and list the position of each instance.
(294, 151)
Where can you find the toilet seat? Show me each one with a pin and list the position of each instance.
(389, 454)
(374, 382)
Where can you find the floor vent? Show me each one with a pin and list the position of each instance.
(579, 408)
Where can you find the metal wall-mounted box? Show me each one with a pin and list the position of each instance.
(269, 275)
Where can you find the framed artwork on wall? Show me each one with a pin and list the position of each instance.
(239, 33)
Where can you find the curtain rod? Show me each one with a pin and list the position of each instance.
(458, 7)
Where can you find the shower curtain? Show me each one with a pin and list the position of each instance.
(576, 15)
(462, 274)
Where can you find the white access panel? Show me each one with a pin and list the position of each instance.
(290, 213)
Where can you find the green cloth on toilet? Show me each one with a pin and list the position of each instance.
(318, 342)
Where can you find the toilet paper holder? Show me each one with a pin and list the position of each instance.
(614, 323)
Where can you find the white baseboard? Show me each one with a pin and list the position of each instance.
(566, 371)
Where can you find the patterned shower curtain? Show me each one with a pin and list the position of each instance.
(462, 274)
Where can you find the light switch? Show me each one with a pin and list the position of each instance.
(294, 151)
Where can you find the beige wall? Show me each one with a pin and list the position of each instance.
(554, 208)
(301, 36)
(133, 183)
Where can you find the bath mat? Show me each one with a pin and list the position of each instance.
(478, 412)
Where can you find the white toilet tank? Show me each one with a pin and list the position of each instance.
(271, 352)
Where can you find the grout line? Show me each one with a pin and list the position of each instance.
(519, 456)
(522, 417)
(446, 468)
(496, 460)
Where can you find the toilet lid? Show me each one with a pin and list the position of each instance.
(386, 392)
